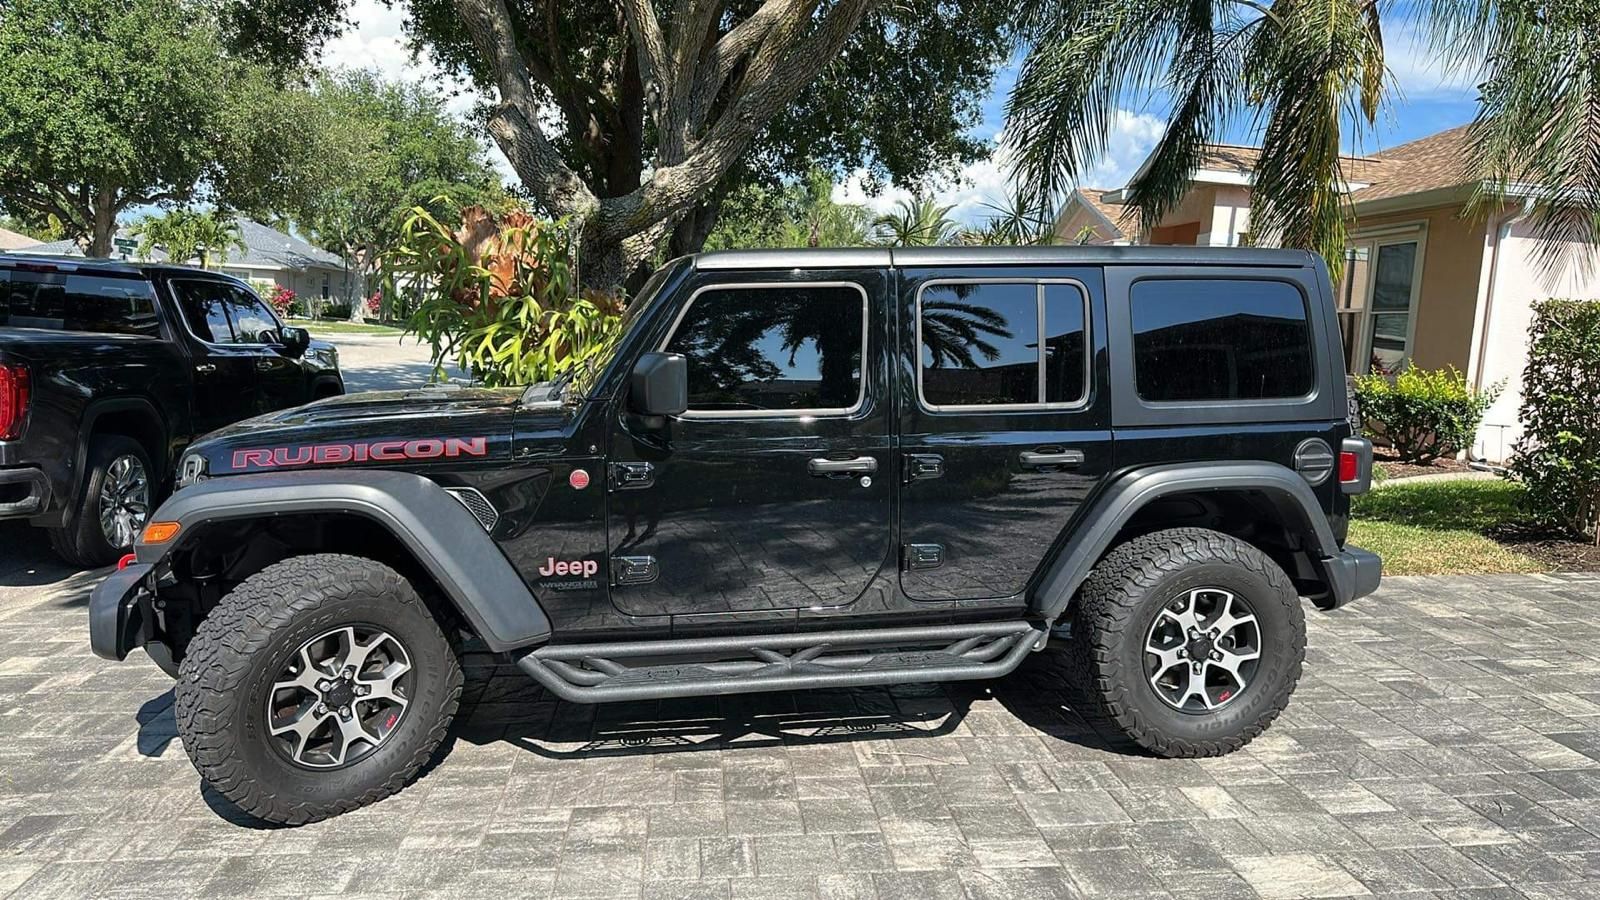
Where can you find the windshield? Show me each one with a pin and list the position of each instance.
(579, 381)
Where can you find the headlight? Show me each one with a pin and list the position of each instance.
(191, 470)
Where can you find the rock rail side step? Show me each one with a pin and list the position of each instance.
(697, 667)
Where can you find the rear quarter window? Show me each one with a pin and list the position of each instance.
(73, 301)
(1198, 340)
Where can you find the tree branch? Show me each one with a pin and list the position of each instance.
(515, 125)
(654, 64)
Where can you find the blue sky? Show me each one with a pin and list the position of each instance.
(1427, 99)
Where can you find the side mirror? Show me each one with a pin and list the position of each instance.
(295, 340)
(659, 385)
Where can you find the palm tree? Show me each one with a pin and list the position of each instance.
(184, 234)
(917, 222)
(1015, 221)
(1303, 71)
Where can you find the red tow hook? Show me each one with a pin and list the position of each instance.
(127, 560)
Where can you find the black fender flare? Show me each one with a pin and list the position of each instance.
(1120, 500)
(438, 530)
(92, 414)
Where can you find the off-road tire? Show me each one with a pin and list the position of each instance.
(1115, 610)
(241, 647)
(79, 540)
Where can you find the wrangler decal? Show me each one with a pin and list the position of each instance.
(378, 451)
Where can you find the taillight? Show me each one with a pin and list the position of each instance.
(1349, 467)
(13, 400)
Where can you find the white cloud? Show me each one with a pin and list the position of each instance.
(1420, 73)
(989, 180)
(376, 40)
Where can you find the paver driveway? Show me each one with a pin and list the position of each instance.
(1445, 739)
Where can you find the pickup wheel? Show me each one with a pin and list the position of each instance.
(117, 498)
(1188, 641)
(318, 685)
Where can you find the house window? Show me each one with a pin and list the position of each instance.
(1377, 301)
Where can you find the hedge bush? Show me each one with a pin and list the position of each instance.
(1558, 457)
(1423, 414)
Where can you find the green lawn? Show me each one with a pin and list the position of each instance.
(1436, 528)
(327, 327)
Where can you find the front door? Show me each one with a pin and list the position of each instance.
(772, 492)
(224, 373)
(1006, 428)
(280, 381)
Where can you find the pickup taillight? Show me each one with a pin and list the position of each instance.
(13, 400)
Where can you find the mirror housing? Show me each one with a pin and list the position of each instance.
(295, 340)
(659, 385)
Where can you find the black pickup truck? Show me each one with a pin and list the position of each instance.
(108, 370)
(792, 470)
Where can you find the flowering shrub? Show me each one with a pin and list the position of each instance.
(282, 299)
(498, 296)
(375, 303)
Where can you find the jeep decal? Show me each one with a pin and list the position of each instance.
(377, 451)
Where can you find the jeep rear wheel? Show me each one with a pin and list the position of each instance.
(1188, 641)
(320, 684)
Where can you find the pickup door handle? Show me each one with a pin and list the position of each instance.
(1035, 459)
(824, 466)
(205, 368)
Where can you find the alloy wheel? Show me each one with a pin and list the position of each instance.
(1202, 650)
(340, 697)
(124, 500)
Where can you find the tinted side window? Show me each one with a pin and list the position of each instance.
(773, 348)
(66, 301)
(1214, 339)
(205, 309)
(252, 323)
(981, 344)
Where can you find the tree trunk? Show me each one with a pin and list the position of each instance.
(105, 225)
(358, 303)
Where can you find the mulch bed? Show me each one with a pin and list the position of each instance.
(1551, 546)
(1395, 469)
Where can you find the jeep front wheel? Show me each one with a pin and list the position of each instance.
(320, 684)
(1188, 641)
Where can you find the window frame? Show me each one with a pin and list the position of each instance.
(225, 282)
(1041, 405)
(824, 412)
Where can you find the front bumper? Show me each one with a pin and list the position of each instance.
(116, 615)
(1353, 573)
(23, 492)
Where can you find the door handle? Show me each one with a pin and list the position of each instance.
(1035, 459)
(825, 466)
(263, 365)
(205, 368)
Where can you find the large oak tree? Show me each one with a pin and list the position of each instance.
(636, 117)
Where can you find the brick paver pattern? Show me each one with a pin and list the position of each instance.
(1444, 741)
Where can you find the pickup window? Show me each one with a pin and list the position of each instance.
(785, 348)
(68, 301)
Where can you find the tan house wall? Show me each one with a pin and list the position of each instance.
(1451, 264)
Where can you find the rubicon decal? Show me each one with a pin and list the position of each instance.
(372, 451)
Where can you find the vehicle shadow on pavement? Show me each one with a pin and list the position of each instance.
(26, 560)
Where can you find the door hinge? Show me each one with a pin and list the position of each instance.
(923, 467)
(924, 556)
(634, 569)
(630, 476)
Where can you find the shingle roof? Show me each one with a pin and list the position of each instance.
(1427, 164)
(264, 246)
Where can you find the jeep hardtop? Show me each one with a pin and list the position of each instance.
(791, 470)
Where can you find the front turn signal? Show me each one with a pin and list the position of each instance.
(159, 532)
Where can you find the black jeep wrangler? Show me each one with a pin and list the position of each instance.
(108, 369)
(794, 469)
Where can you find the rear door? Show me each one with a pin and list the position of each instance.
(1005, 426)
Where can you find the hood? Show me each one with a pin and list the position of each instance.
(378, 429)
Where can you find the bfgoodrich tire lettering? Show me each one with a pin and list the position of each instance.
(1121, 600)
(241, 648)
